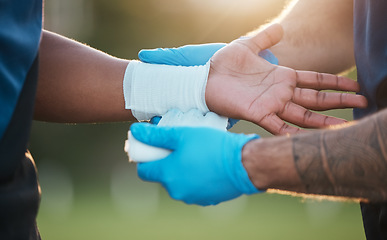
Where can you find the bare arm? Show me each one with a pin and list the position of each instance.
(318, 36)
(350, 161)
(78, 83)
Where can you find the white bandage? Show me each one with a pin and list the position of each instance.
(151, 89)
(140, 152)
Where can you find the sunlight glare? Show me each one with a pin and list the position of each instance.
(241, 6)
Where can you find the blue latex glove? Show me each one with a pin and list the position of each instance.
(205, 166)
(191, 55)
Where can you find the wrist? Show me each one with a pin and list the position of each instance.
(238, 174)
(151, 89)
(252, 163)
(270, 163)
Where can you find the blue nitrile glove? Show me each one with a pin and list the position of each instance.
(205, 167)
(155, 120)
(191, 55)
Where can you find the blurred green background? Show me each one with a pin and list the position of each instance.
(90, 191)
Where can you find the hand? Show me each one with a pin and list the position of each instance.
(244, 86)
(191, 55)
(205, 166)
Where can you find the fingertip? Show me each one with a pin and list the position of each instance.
(334, 121)
(150, 55)
(155, 120)
(276, 32)
(143, 55)
(138, 129)
(268, 37)
(357, 100)
(277, 27)
(344, 83)
(134, 127)
(363, 102)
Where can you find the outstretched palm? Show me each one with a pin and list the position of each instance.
(243, 85)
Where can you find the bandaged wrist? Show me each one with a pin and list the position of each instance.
(151, 89)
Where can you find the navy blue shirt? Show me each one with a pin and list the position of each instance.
(370, 36)
(20, 32)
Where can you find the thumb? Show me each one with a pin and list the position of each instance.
(163, 137)
(266, 38)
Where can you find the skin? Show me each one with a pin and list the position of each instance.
(268, 95)
(79, 84)
(347, 161)
(318, 36)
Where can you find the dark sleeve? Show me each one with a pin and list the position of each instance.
(19, 188)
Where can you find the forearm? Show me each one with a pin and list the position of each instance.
(318, 36)
(349, 161)
(78, 83)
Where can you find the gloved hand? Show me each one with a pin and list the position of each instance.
(205, 166)
(191, 55)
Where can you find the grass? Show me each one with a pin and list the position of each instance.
(264, 216)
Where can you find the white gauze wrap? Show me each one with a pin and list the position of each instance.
(152, 89)
(140, 152)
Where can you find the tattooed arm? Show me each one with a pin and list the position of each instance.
(347, 161)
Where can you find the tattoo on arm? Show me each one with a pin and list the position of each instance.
(349, 162)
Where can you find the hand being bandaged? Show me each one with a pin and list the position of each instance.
(169, 78)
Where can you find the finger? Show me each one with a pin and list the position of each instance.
(150, 171)
(155, 120)
(320, 101)
(275, 125)
(320, 81)
(264, 39)
(164, 137)
(158, 56)
(302, 117)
